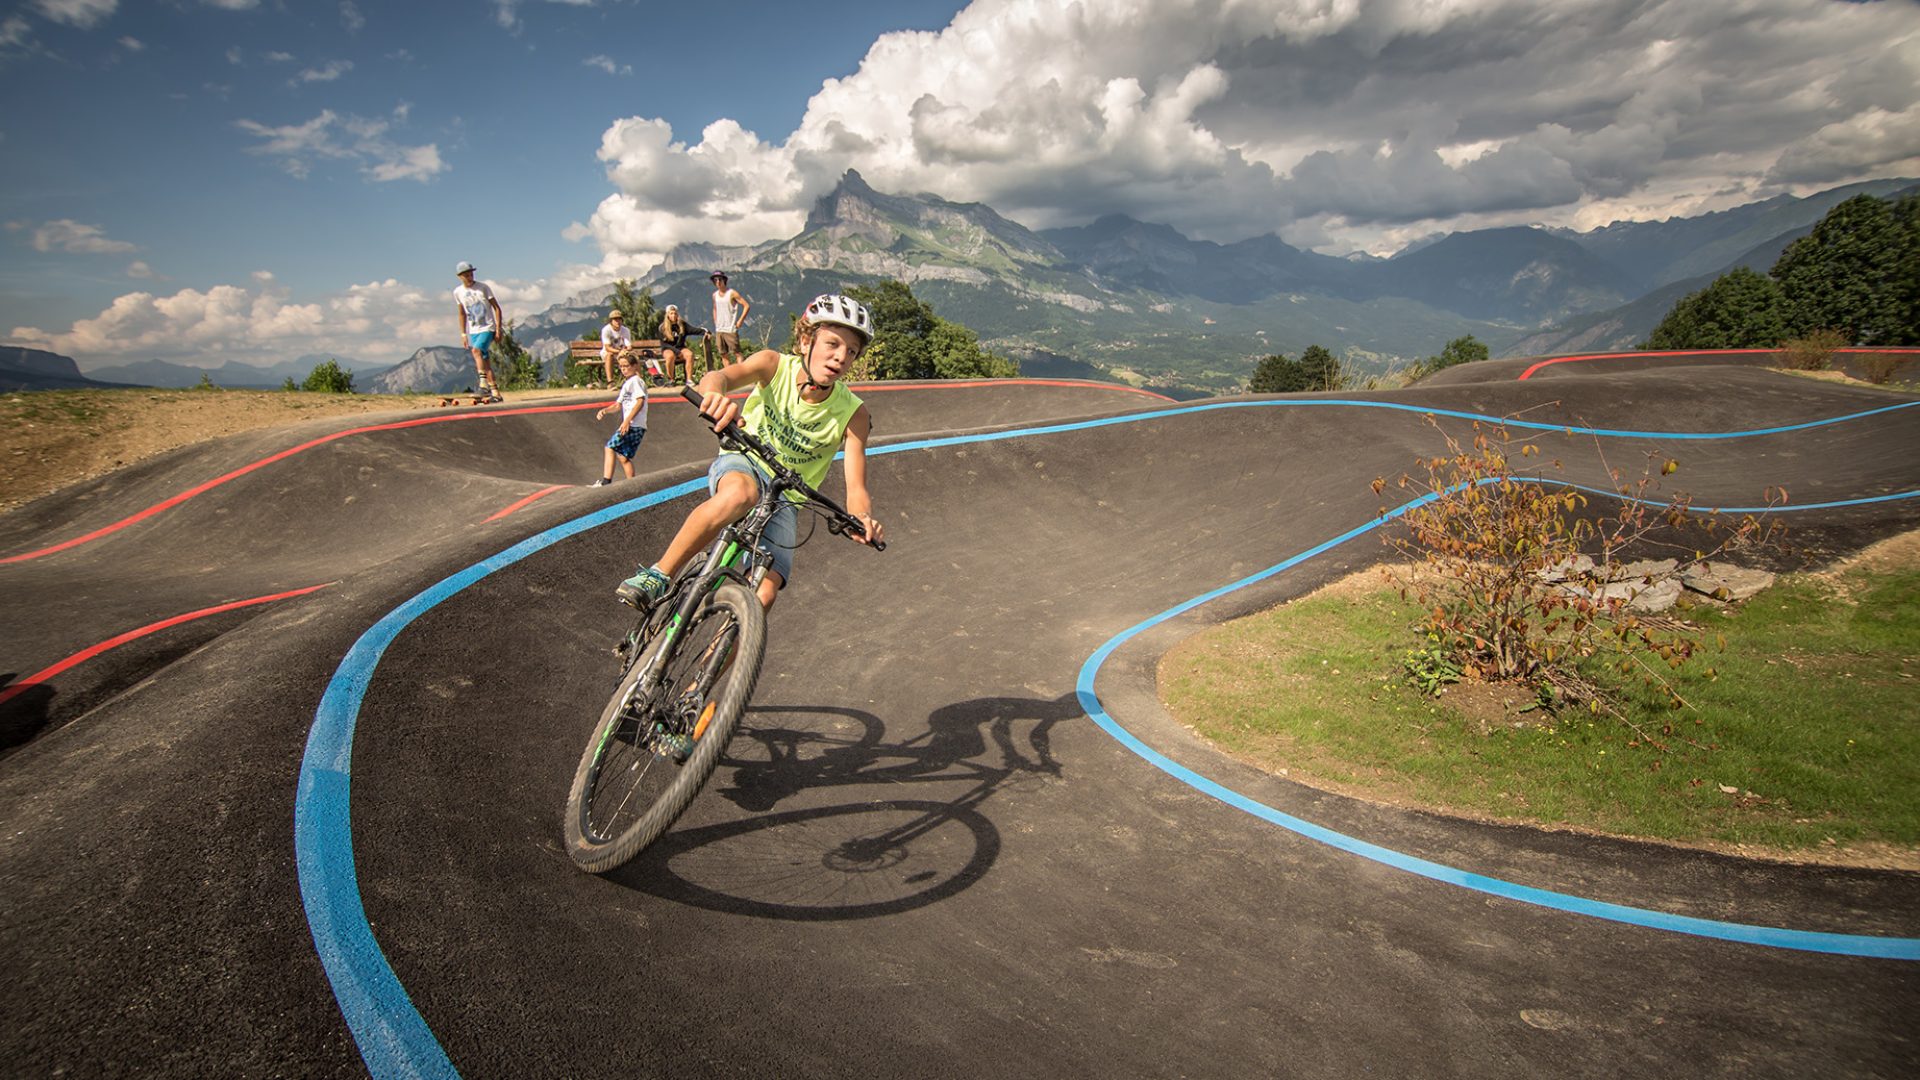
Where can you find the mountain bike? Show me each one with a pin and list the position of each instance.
(687, 670)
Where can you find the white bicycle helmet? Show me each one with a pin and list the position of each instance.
(840, 311)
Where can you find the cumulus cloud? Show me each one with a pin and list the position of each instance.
(607, 64)
(81, 13)
(507, 12)
(138, 269)
(350, 17)
(1876, 141)
(73, 238)
(260, 321)
(1343, 121)
(254, 321)
(326, 72)
(333, 136)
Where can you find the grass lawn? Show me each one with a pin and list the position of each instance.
(1808, 743)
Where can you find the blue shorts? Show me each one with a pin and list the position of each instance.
(625, 445)
(480, 340)
(783, 531)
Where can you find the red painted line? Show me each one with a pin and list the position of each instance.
(170, 503)
(1527, 374)
(974, 384)
(967, 384)
(176, 500)
(542, 493)
(115, 642)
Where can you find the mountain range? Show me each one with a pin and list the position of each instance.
(1140, 302)
(38, 369)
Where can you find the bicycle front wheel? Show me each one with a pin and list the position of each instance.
(659, 739)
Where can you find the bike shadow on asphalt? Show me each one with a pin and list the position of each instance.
(829, 857)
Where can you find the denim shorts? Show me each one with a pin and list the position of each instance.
(479, 340)
(625, 445)
(782, 531)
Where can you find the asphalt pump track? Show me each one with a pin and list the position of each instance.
(289, 720)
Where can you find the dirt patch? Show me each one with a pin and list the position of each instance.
(52, 438)
(1894, 553)
(1489, 707)
(1833, 376)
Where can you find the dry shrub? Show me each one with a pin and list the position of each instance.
(1512, 597)
(1813, 352)
(1878, 368)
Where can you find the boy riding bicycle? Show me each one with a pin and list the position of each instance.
(800, 409)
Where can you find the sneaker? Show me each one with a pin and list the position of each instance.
(602, 482)
(644, 589)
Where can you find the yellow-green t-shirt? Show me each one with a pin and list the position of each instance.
(803, 435)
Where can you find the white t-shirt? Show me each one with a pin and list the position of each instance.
(477, 302)
(631, 391)
(612, 336)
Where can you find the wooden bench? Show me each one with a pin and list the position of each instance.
(586, 353)
(580, 353)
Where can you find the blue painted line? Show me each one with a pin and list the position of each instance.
(1805, 940)
(1571, 429)
(394, 1040)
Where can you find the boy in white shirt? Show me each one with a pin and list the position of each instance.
(632, 405)
(615, 339)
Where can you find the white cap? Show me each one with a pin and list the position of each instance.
(463, 268)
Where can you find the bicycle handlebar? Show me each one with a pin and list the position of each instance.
(840, 521)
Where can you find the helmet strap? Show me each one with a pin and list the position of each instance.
(806, 369)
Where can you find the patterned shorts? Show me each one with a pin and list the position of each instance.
(625, 445)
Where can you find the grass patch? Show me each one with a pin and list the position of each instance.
(1813, 725)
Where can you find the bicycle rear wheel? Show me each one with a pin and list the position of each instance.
(629, 787)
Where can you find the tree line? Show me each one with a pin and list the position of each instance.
(1855, 277)
(1319, 370)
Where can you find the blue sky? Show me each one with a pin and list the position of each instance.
(206, 180)
(132, 125)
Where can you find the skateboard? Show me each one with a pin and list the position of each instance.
(470, 398)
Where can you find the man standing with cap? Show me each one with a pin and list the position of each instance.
(480, 320)
(726, 321)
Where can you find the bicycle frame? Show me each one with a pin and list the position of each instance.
(735, 553)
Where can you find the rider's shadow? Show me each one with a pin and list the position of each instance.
(901, 840)
(790, 749)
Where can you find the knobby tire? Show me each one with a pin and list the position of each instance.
(613, 770)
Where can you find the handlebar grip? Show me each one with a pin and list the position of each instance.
(841, 527)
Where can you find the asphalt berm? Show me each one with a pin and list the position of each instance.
(924, 855)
